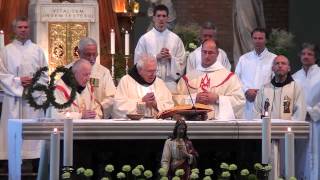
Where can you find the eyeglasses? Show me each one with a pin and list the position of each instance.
(90, 55)
(209, 52)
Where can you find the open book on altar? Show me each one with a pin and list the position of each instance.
(185, 109)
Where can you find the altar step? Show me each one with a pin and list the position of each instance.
(24, 176)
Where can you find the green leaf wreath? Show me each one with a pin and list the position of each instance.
(49, 88)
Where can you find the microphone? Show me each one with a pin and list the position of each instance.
(185, 79)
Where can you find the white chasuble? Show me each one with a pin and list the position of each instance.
(129, 93)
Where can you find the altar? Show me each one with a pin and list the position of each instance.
(147, 129)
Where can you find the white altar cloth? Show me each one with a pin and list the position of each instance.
(40, 129)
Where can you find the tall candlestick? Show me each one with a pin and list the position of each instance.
(68, 143)
(289, 154)
(266, 139)
(112, 42)
(1, 39)
(54, 154)
(126, 44)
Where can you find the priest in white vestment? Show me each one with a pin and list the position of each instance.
(208, 31)
(142, 86)
(100, 79)
(84, 106)
(213, 85)
(282, 98)
(166, 46)
(308, 77)
(19, 60)
(254, 69)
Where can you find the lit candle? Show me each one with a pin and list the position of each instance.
(266, 139)
(112, 42)
(68, 142)
(54, 154)
(126, 44)
(289, 154)
(1, 39)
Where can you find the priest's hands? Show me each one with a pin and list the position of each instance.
(251, 94)
(164, 54)
(25, 81)
(207, 98)
(88, 114)
(150, 100)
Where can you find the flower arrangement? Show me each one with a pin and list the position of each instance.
(226, 172)
(280, 41)
(189, 35)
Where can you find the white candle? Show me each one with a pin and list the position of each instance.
(1, 39)
(289, 154)
(126, 44)
(266, 140)
(112, 42)
(68, 142)
(54, 154)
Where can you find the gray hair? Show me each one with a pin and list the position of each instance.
(18, 19)
(144, 58)
(79, 64)
(85, 42)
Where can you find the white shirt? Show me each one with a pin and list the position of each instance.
(152, 42)
(307, 80)
(254, 71)
(194, 59)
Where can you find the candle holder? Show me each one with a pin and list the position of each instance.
(67, 169)
(126, 57)
(112, 66)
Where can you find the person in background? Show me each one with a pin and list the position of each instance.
(254, 69)
(19, 60)
(166, 46)
(208, 31)
(308, 78)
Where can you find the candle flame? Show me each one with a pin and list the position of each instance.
(55, 130)
(289, 129)
(1, 32)
(112, 30)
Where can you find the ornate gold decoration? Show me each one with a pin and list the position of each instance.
(63, 42)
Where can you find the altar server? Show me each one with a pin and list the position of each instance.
(254, 69)
(19, 60)
(214, 85)
(141, 86)
(166, 46)
(308, 78)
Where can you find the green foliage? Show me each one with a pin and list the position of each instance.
(189, 35)
(280, 42)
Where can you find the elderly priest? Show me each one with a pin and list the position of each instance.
(214, 85)
(141, 86)
(84, 106)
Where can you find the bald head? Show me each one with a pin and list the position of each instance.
(281, 65)
(209, 53)
(82, 71)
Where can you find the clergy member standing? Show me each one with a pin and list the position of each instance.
(308, 77)
(284, 95)
(100, 79)
(254, 69)
(214, 85)
(18, 61)
(208, 31)
(166, 46)
(84, 106)
(142, 85)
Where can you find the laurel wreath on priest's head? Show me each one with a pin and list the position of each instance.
(49, 88)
